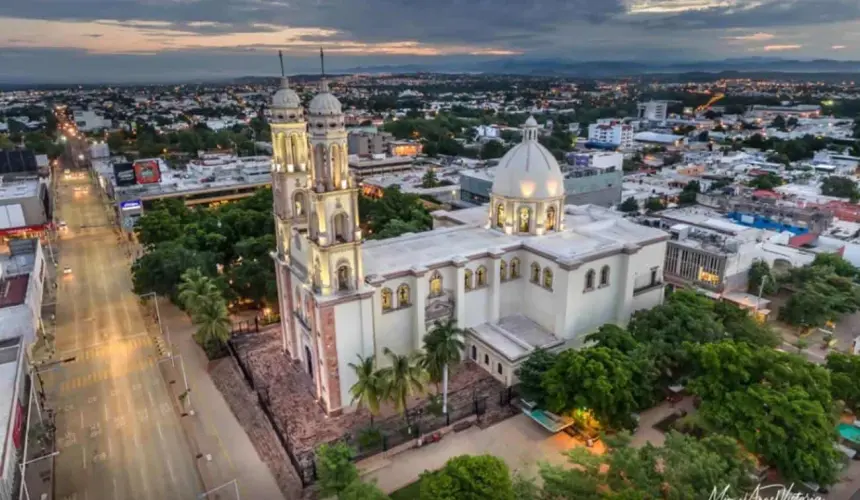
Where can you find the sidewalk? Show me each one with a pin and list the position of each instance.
(243, 463)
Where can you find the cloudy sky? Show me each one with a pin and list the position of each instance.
(158, 40)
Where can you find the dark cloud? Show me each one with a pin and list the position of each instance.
(758, 14)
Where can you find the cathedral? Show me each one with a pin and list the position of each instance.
(521, 273)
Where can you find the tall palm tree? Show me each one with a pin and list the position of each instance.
(368, 390)
(196, 289)
(402, 379)
(213, 322)
(443, 346)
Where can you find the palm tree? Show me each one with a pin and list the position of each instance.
(367, 391)
(443, 346)
(402, 379)
(196, 289)
(213, 322)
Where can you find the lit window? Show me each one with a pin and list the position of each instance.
(525, 216)
(704, 276)
(589, 279)
(403, 295)
(547, 278)
(515, 268)
(387, 302)
(482, 276)
(604, 276)
(500, 215)
(535, 273)
(436, 284)
(550, 219)
(503, 270)
(467, 277)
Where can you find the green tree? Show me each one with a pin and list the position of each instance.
(403, 379)
(493, 149)
(777, 404)
(160, 269)
(531, 373)
(468, 477)
(402, 211)
(369, 387)
(766, 181)
(759, 274)
(688, 194)
(629, 205)
(359, 490)
(844, 377)
(840, 187)
(213, 325)
(442, 347)
(196, 289)
(654, 204)
(613, 337)
(335, 469)
(597, 379)
(429, 180)
(684, 467)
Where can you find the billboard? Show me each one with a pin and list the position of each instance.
(130, 205)
(147, 172)
(124, 174)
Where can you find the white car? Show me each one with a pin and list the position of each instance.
(67, 270)
(62, 224)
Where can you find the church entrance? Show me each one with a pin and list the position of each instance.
(310, 362)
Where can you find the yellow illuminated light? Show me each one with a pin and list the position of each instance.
(707, 277)
(527, 189)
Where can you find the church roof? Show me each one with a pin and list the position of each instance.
(324, 103)
(286, 97)
(590, 232)
(528, 170)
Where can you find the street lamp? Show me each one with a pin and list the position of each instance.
(23, 465)
(764, 279)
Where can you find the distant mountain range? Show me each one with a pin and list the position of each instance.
(604, 69)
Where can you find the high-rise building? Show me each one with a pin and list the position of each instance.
(611, 132)
(655, 111)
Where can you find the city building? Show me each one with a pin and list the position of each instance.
(611, 132)
(798, 111)
(522, 273)
(654, 111)
(88, 121)
(14, 399)
(25, 208)
(404, 148)
(660, 139)
(591, 178)
(212, 178)
(363, 143)
(365, 167)
(22, 163)
(713, 253)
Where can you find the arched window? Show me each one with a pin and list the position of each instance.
(550, 219)
(435, 284)
(403, 296)
(343, 277)
(341, 228)
(387, 299)
(525, 219)
(515, 268)
(467, 277)
(535, 273)
(500, 215)
(482, 276)
(503, 270)
(547, 278)
(294, 149)
(299, 204)
(589, 280)
(604, 276)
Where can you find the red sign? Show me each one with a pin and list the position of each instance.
(19, 423)
(147, 172)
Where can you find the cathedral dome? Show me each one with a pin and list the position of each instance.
(528, 170)
(286, 97)
(324, 103)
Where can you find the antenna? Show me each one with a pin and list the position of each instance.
(322, 62)
(281, 57)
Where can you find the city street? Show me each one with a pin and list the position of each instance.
(118, 431)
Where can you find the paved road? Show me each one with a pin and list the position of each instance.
(118, 434)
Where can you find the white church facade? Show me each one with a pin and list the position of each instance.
(524, 272)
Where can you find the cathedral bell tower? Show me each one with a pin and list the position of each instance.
(333, 229)
(290, 164)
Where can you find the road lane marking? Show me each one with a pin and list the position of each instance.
(84, 455)
(82, 419)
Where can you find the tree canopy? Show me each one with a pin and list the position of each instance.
(393, 214)
(468, 477)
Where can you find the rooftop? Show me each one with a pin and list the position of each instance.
(13, 290)
(588, 230)
(9, 357)
(17, 190)
(515, 336)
